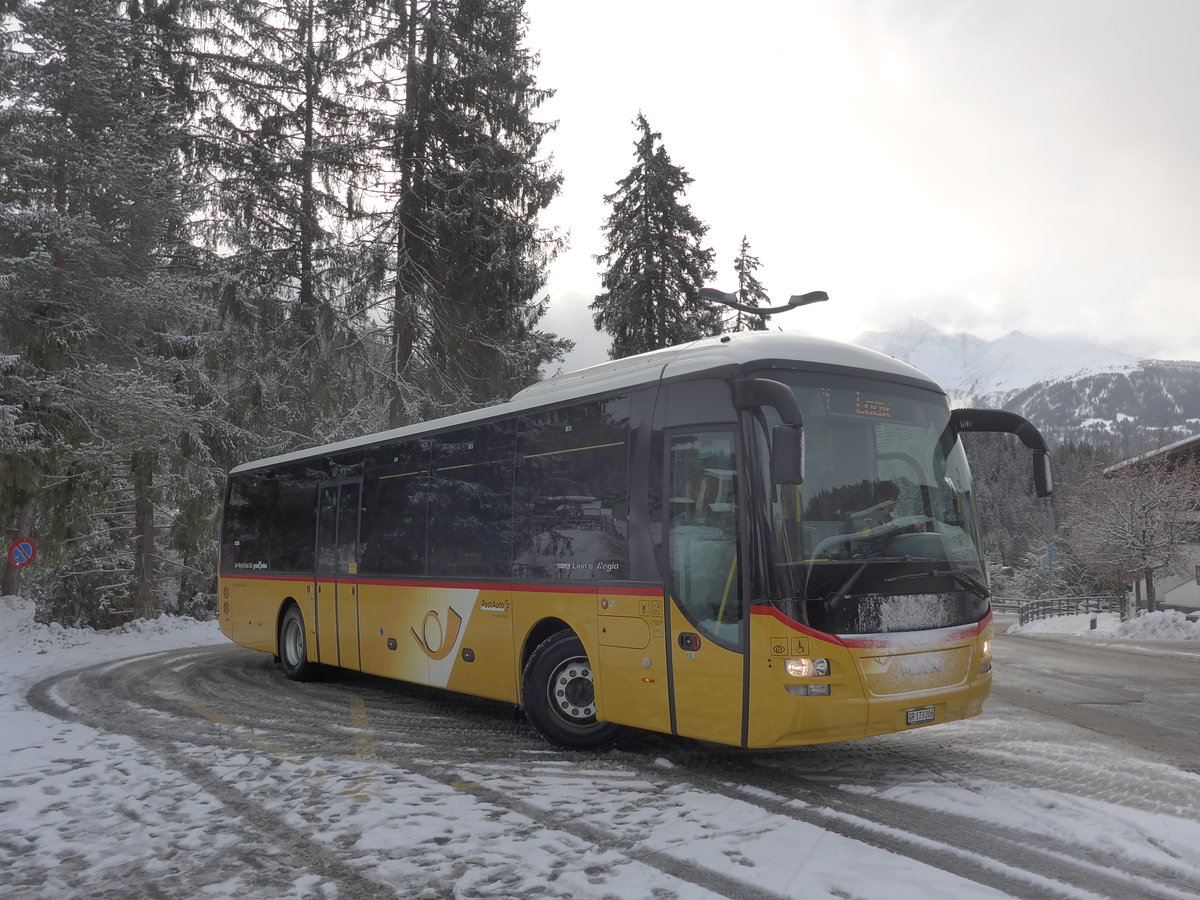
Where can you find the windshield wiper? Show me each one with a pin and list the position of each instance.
(970, 582)
(845, 588)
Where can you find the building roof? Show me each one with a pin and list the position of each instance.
(1179, 448)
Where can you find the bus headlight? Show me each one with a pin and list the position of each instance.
(805, 667)
(985, 657)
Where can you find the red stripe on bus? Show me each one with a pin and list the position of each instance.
(463, 585)
(231, 576)
(793, 624)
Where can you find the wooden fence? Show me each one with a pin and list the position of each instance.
(1047, 607)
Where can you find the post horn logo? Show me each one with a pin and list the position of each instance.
(435, 640)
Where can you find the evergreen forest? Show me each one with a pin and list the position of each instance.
(230, 228)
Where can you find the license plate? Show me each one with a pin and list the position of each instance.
(920, 716)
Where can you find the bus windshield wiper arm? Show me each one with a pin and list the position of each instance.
(970, 582)
(845, 588)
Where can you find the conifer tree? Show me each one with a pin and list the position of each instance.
(91, 197)
(750, 292)
(281, 138)
(364, 161)
(468, 255)
(656, 261)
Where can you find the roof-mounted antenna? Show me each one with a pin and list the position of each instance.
(731, 299)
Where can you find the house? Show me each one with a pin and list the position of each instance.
(1176, 590)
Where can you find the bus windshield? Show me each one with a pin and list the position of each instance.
(882, 536)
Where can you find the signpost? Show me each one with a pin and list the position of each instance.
(21, 553)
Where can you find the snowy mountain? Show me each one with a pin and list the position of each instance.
(970, 368)
(1153, 404)
(1070, 389)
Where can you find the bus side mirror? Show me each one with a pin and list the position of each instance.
(1002, 421)
(1043, 481)
(787, 454)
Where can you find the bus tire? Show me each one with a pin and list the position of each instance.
(559, 695)
(293, 646)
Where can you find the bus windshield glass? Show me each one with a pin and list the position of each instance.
(882, 536)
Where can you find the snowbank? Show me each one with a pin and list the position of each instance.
(22, 638)
(1171, 625)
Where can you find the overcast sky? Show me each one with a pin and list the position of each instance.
(988, 166)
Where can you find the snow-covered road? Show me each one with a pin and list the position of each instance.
(163, 761)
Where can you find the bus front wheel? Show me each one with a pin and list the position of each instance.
(560, 695)
(293, 646)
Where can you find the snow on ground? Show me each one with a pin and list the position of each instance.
(1170, 625)
(69, 792)
(75, 799)
(22, 640)
(66, 790)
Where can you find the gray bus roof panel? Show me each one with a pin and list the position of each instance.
(745, 349)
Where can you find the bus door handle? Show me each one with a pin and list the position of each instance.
(689, 641)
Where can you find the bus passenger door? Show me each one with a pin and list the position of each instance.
(706, 630)
(337, 575)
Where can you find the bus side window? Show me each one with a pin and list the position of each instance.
(470, 501)
(572, 493)
(394, 517)
(327, 522)
(246, 532)
(702, 523)
(292, 532)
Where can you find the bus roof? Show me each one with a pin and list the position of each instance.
(769, 349)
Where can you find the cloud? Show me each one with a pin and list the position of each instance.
(1018, 165)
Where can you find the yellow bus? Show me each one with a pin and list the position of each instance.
(761, 540)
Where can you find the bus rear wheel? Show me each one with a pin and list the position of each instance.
(293, 646)
(560, 695)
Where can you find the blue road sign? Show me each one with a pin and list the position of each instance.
(22, 552)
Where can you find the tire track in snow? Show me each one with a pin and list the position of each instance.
(443, 738)
(1020, 863)
(170, 699)
(275, 854)
(447, 732)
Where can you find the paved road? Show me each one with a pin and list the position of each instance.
(1145, 694)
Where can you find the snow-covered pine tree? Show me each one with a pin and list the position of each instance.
(750, 292)
(117, 370)
(656, 261)
(1014, 523)
(465, 189)
(91, 199)
(281, 138)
